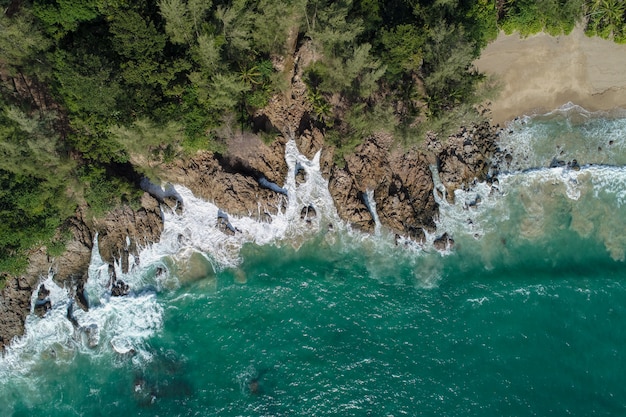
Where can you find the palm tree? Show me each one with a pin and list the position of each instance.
(250, 76)
(605, 18)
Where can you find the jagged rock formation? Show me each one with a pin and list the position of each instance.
(124, 231)
(232, 181)
(401, 182)
(465, 156)
(140, 226)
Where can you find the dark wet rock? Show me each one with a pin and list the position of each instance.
(42, 303)
(119, 288)
(224, 225)
(556, 163)
(70, 315)
(573, 165)
(308, 213)
(81, 296)
(465, 157)
(443, 242)
(90, 334)
(300, 174)
(475, 202)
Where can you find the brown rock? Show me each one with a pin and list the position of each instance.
(443, 242)
(406, 204)
(140, 227)
(465, 157)
(346, 197)
(402, 184)
(247, 154)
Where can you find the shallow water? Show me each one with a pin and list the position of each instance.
(524, 316)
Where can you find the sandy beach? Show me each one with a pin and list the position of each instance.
(540, 73)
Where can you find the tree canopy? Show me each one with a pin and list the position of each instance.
(90, 86)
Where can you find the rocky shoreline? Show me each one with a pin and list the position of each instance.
(244, 181)
(401, 182)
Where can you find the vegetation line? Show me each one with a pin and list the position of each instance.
(95, 93)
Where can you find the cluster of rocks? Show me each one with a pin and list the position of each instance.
(120, 234)
(247, 180)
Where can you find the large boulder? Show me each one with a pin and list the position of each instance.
(401, 182)
(465, 157)
(405, 202)
(124, 231)
(233, 188)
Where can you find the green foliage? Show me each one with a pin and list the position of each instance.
(447, 58)
(330, 27)
(272, 23)
(607, 19)
(484, 15)
(322, 109)
(402, 50)
(20, 41)
(63, 16)
(207, 53)
(139, 83)
(93, 140)
(360, 122)
(87, 83)
(103, 191)
(236, 28)
(30, 212)
(149, 143)
(531, 16)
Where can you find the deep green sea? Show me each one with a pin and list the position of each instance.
(524, 315)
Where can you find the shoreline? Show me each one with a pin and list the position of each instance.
(541, 73)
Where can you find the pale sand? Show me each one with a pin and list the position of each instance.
(541, 73)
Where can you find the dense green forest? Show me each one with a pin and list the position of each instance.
(96, 93)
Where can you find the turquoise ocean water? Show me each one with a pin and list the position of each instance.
(525, 315)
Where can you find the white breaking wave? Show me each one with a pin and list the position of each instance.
(112, 324)
(370, 202)
(534, 205)
(121, 325)
(565, 134)
(523, 204)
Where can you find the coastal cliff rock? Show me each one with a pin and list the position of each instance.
(124, 231)
(350, 207)
(16, 295)
(401, 183)
(141, 226)
(464, 157)
(289, 112)
(232, 181)
(405, 202)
